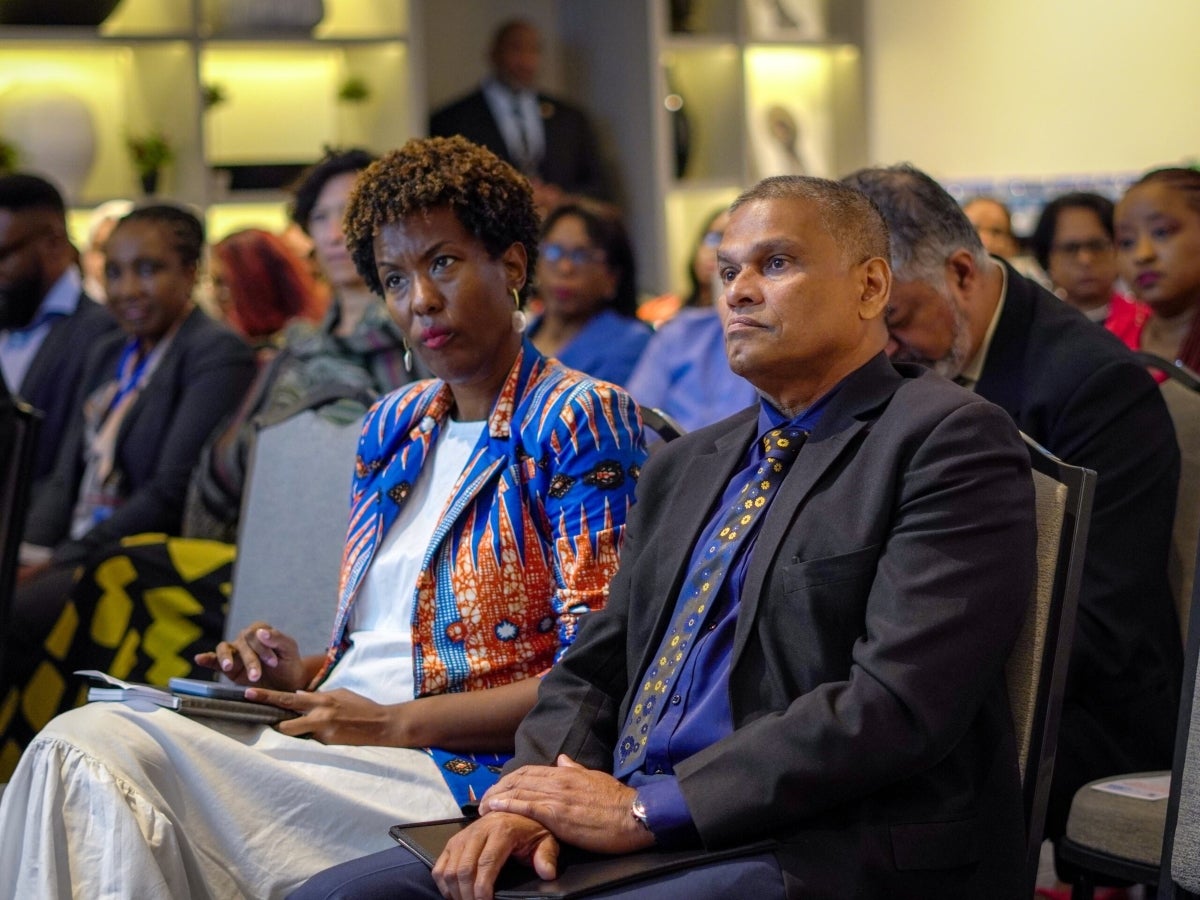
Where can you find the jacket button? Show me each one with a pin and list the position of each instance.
(676, 700)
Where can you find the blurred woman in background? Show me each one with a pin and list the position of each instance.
(1073, 242)
(587, 285)
(260, 286)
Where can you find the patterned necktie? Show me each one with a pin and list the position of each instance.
(524, 152)
(701, 586)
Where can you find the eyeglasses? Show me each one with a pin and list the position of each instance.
(1095, 247)
(579, 256)
(712, 238)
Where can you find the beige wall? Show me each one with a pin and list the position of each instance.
(1020, 88)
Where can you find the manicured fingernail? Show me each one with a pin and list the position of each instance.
(227, 664)
(253, 674)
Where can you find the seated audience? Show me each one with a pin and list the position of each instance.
(1080, 394)
(150, 396)
(260, 286)
(47, 322)
(807, 636)
(487, 509)
(702, 275)
(1158, 254)
(355, 353)
(684, 371)
(587, 285)
(1073, 243)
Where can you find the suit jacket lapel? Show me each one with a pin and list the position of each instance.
(1001, 381)
(704, 477)
(850, 412)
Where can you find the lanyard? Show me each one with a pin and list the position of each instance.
(131, 369)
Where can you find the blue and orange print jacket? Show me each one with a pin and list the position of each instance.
(530, 536)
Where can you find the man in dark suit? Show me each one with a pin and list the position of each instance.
(549, 140)
(47, 322)
(840, 690)
(1076, 390)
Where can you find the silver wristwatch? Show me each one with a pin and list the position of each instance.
(638, 809)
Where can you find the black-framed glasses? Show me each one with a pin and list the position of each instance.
(1096, 247)
(579, 256)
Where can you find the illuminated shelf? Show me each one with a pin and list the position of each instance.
(147, 68)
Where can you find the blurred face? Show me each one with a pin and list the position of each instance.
(325, 229)
(93, 257)
(149, 288)
(24, 278)
(453, 303)
(1158, 248)
(992, 225)
(1083, 260)
(517, 57)
(574, 280)
(927, 325)
(797, 315)
(704, 263)
(222, 296)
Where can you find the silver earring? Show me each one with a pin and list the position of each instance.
(520, 321)
(408, 365)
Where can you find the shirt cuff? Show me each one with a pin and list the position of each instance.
(667, 813)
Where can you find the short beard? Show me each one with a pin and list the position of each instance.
(18, 304)
(952, 364)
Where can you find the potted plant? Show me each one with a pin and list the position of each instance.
(149, 153)
(9, 157)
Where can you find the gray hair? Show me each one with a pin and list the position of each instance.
(851, 217)
(925, 223)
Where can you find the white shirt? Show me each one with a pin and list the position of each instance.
(378, 664)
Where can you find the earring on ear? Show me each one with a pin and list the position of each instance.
(519, 320)
(408, 363)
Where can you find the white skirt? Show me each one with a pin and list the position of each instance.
(113, 802)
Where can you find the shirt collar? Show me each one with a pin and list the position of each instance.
(61, 300)
(970, 375)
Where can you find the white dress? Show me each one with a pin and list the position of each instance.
(110, 801)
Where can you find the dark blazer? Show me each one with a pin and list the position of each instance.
(1077, 390)
(53, 378)
(571, 160)
(872, 736)
(200, 381)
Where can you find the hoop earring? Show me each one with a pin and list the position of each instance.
(520, 321)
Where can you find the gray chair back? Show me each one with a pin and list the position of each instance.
(1179, 877)
(1181, 392)
(293, 527)
(1036, 671)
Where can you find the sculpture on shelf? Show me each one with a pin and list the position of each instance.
(150, 152)
(53, 132)
(259, 16)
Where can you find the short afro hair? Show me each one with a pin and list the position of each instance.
(491, 199)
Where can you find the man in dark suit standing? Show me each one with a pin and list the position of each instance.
(47, 322)
(549, 140)
(1076, 390)
(806, 637)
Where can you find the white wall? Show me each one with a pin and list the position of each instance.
(1020, 88)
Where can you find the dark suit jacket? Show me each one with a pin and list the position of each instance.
(1078, 391)
(53, 378)
(872, 735)
(199, 382)
(571, 160)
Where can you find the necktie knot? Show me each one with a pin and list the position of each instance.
(783, 443)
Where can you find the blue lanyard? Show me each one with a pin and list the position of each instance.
(130, 371)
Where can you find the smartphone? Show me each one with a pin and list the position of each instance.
(195, 687)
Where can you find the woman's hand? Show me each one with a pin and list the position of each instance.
(259, 655)
(336, 717)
